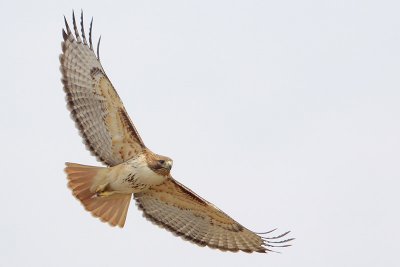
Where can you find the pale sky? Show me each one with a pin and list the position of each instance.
(282, 113)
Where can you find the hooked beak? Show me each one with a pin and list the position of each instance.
(168, 164)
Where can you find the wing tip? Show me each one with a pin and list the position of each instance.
(79, 37)
(275, 241)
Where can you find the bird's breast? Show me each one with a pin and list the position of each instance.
(141, 176)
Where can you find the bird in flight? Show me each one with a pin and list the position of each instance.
(132, 168)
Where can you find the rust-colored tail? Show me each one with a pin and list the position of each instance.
(112, 209)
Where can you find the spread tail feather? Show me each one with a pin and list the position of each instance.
(112, 209)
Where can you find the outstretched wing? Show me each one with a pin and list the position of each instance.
(173, 206)
(95, 106)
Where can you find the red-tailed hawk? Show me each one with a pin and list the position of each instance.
(131, 167)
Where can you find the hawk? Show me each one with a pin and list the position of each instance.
(131, 168)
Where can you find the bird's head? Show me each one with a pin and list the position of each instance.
(159, 164)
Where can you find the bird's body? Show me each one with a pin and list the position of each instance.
(132, 176)
(131, 168)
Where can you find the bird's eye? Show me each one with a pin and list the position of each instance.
(161, 161)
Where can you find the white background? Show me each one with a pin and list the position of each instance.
(282, 113)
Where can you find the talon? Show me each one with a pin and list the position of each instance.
(104, 194)
(101, 190)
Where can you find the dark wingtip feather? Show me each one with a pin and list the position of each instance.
(265, 233)
(83, 29)
(280, 241)
(90, 34)
(78, 38)
(65, 36)
(98, 48)
(67, 26)
(276, 237)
